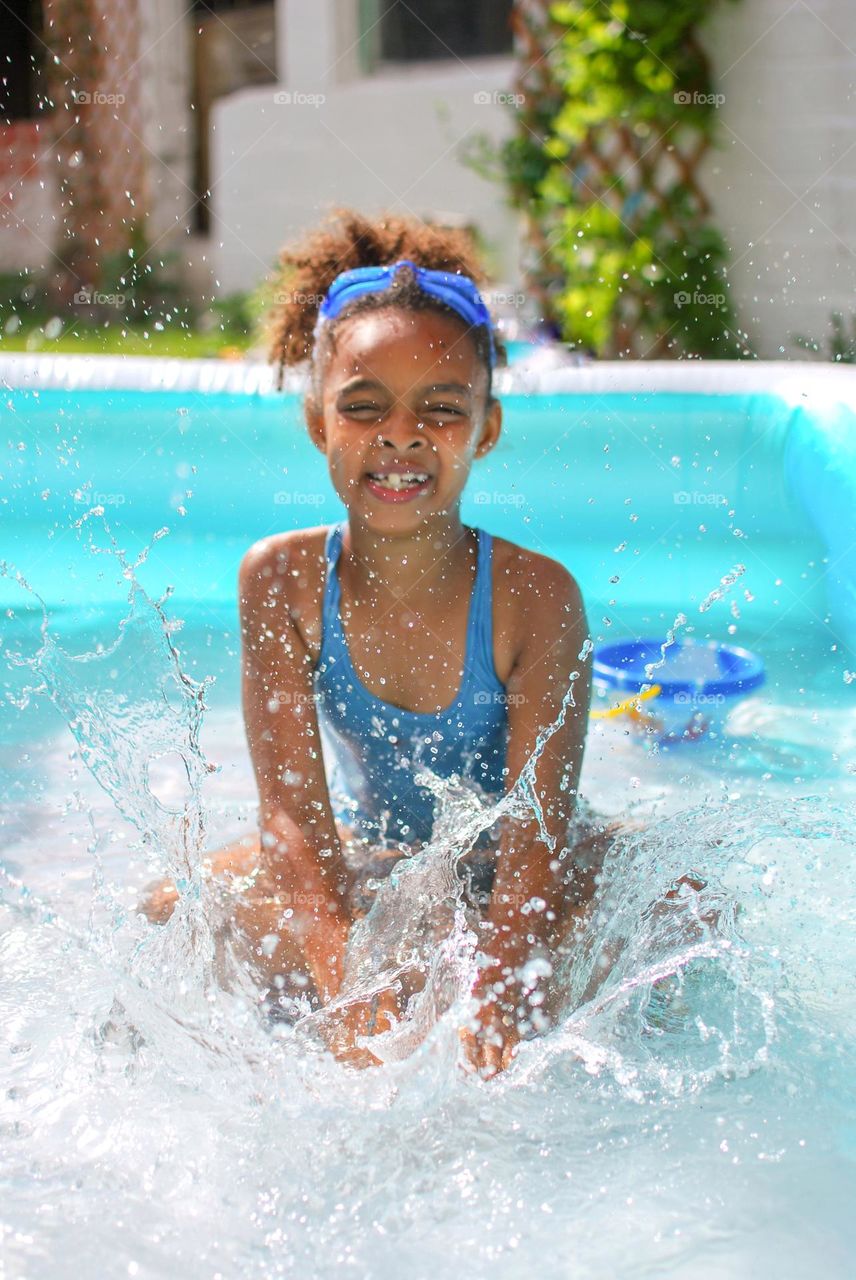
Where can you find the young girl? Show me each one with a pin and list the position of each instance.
(402, 635)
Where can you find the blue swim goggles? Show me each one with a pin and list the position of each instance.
(457, 291)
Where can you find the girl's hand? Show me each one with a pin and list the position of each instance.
(710, 916)
(286, 938)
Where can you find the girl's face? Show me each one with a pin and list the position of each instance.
(404, 413)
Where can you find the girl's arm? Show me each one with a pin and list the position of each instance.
(528, 888)
(302, 862)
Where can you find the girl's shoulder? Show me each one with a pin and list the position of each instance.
(526, 573)
(530, 591)
(291, 566)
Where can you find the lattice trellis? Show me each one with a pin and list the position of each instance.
(628, 169)
(616, 157)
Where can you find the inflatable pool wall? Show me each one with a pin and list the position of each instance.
(820, 467)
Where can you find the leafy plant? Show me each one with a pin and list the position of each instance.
(841, 345)
(24, 295)
(615, 114)
(236, 313)
(147, 281)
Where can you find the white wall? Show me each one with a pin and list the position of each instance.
(385, 142)
(784, 180)
(164, 70)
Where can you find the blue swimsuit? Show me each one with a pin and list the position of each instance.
(370, 746)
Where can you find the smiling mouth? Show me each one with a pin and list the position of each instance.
(398, 481)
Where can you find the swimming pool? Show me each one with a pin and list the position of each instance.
(705, 1137)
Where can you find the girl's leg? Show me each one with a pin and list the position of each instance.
(575, 921)
(259, 916)
(238, 858)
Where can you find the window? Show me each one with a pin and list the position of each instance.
(412, 30)
(233, 44)
(21, 53)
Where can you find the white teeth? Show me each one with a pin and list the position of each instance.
(399, 481)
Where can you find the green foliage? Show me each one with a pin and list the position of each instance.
(618, 61)
(138, 303)
(841, 345)
(625, 272)
(236, 313)
(131, 341)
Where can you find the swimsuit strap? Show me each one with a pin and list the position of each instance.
(330, 611)
(480, 632)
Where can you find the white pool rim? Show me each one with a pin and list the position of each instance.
(547, 372)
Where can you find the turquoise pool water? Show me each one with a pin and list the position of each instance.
(150, 1119)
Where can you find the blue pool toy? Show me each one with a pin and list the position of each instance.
(674, 693)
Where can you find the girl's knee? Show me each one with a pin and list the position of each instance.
(240, 858)
(237, 859)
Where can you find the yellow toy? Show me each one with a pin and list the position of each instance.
(632, 708)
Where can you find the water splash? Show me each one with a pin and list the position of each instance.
(136, 717)
(726, 582)
(418, 934)
(146, 1061)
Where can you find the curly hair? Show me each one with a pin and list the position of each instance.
(348, 239)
